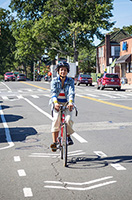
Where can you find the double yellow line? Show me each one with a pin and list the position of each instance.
(34, 85)
(90, 98)
(108, 103)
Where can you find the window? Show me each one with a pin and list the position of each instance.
(124, 46)
(115, 51)
(101, 52)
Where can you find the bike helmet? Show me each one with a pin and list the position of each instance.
(63, 64)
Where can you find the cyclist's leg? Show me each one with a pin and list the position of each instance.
(55, 129)
(69, 122)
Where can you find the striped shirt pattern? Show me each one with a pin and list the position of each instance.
(61, 98)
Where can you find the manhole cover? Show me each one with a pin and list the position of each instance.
(30, 140)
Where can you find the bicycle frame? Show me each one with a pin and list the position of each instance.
(62, 136)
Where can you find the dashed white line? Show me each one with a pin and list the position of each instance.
(118, 167)
(35, 96)
(100, 154)
(27, 192)
(21, 172)
(115, 165)
(17, 158)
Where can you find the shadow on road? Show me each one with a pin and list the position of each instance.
(18, 134)
(93, 161)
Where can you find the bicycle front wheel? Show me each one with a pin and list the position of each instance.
(64, 145)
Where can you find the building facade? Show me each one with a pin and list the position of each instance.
(125, 59)
(108, 51)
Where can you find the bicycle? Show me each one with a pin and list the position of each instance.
(62, 140)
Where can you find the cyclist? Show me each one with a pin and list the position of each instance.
(62, 91)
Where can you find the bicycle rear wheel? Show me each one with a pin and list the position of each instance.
(64, 145)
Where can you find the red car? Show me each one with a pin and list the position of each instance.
(83, 79)
(109, 81)
(9, 76)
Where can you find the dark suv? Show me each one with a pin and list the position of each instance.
(109, 81)
(83, 79)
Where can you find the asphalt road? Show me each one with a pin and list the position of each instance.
(99, 162)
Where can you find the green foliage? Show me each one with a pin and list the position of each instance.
(7, 42)
(87, 59)
(29, 9)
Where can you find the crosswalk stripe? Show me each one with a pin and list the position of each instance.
(35, 96)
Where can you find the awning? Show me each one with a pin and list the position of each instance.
(124, 59)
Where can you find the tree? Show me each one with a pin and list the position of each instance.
(7, 42)
(28, 50)
(29, 9)
(87, 59)
(66, 26)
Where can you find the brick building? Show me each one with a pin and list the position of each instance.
(108, 51)
(125, 59)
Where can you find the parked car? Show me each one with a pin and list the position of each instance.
(21, 77)
(83, 79)
(9, 76)
(109, 81)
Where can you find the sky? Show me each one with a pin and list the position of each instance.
(122, 13)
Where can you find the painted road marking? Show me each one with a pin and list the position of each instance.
(17, 158)
(100, 154)
(66, 187)
(106, 102)
(35, 85)
(35, 96)
(21, 172)
(79, 138)
(115, 165)
(27, 192)
(118, 167)
(50, 155)
(5, 98)
(7, 131)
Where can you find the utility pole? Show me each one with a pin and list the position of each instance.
(0, 30)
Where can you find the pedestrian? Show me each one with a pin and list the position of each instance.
(62, 91)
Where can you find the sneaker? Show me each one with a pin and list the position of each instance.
(70, 141)
(53, 147)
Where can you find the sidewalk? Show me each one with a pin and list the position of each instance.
(126, 87)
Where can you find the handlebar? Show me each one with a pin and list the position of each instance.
(62, 108)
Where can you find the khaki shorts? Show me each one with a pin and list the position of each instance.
(57, 119)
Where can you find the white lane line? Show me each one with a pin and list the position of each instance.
(27, 192)
(92, 95)
(7, 131)
(100, 154)
(107, 95)
(115, 165)
(79, 184)
(35, 96)
(118, 167)
(4, 97)
(6, 86)
(39, 109)
(47, 95)
(78, 137)
(17, 158)
(81, 189)
(21, 172)
(47, 155)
